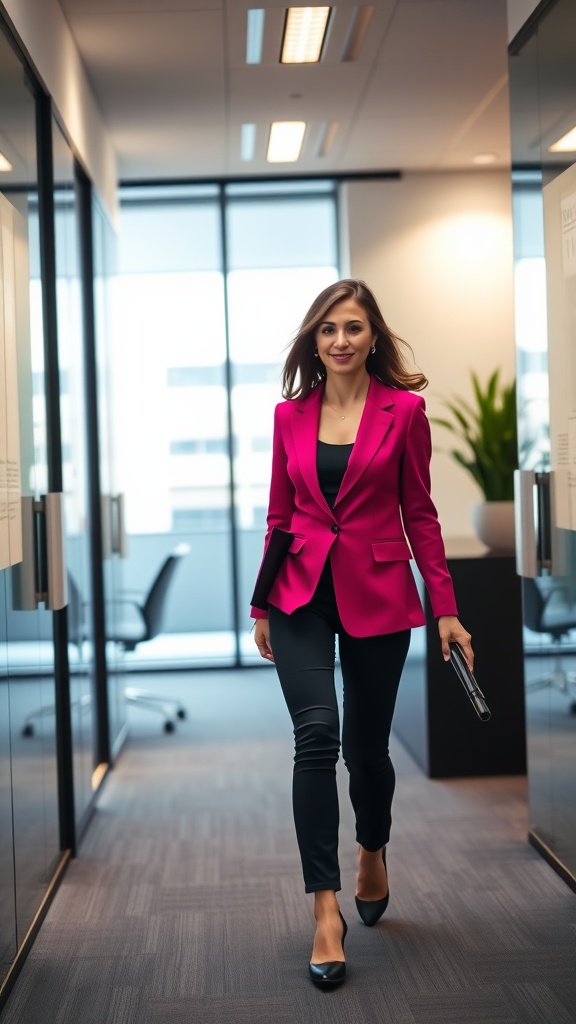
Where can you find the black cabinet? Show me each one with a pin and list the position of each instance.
(434, 718)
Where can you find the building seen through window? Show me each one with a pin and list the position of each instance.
(212, 285)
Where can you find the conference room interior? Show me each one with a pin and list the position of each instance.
(155, 265)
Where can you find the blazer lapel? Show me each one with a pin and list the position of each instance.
(374, 425)
(305, 421)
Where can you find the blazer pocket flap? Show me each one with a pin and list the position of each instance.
(297, 545)
(390, 550)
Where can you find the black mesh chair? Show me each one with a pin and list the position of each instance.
(551, 611)
(131, 622)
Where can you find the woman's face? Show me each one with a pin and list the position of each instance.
(344, 338)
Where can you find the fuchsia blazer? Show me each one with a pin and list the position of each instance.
(384, 498)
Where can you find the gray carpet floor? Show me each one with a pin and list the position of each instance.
(185, 903)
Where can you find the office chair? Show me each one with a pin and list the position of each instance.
(142, 621)
(550, 612)
(138, 622)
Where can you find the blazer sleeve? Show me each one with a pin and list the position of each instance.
(282, 492)
(420, 516)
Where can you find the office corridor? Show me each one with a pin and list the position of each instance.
(186, 904)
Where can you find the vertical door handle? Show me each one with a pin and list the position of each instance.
(119, 539)
(41, 576)
(533, 523)
(25, 584)
(56, 596)
(106, 517)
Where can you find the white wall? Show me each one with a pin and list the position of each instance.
(437, 251)
(518, 12)
(46, 36)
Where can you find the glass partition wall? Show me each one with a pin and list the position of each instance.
(543, 101)
(212, 284)
(30, 838)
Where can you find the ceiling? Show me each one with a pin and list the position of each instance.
(427, 93)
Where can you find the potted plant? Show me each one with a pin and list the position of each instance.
(488, 431)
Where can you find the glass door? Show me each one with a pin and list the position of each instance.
(7, 901)
(114, 540)
(73, 420)
(29, 804)
(543, 98)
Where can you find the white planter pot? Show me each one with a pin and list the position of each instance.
(494, 524)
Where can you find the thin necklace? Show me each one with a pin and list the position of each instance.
(336, 413)
(334, 410)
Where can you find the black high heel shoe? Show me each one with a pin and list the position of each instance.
(371, 910)
(332, 973)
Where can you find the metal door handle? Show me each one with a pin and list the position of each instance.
(56, 596)
(41, 575)
(533, 523)
(119, 539)
(106, 517)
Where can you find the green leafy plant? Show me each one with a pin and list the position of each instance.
(488, 430)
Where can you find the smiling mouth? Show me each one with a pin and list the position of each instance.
(341, 356)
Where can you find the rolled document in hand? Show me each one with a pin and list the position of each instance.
(468, 680)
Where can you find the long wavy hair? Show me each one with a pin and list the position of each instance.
(303, 371)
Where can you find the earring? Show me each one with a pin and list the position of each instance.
(373, 349)
(316, 353)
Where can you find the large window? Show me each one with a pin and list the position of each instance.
(213, 282)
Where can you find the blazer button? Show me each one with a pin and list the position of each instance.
(335, 528)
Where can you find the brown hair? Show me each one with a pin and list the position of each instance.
(387, 362)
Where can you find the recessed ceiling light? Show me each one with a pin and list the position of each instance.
(254, 35)
(304, 34)
(567, 144)
(5, 164)
(484, 158)
(247, 141)
(285, 141)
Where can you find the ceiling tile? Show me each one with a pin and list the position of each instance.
(171, 79)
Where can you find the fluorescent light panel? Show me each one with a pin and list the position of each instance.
(254, 35)
(247, 141)
(304, 34)
(5, 164)
(567, 144)
(285, 143)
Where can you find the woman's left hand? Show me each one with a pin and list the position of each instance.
(451, 630)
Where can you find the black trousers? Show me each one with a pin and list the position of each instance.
(304, 653)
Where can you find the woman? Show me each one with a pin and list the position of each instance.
(350, 479)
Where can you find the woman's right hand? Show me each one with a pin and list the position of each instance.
(262, 639)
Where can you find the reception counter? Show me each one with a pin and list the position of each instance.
(434, 718)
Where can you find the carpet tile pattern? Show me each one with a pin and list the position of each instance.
(186, 904)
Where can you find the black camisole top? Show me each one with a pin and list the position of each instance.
(331, 463)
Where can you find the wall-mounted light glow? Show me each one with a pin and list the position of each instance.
(304, 34)
(567, 144)
(483, 159)
(254, 35)
(285, 143)
(5, 164)
(247, 141)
